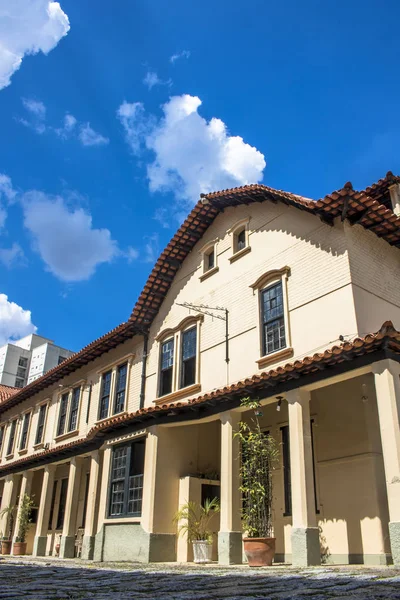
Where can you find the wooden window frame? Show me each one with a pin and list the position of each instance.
(205, 251)
(11, 440)
(26, 417)
(126, 480)
(177, 335)
(264, 282)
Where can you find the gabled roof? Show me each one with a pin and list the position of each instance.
(346, 356)
(358, 207)
(6, 391)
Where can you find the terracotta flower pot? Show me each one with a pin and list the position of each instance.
(6, 546)
(19, 548)
(260, 552)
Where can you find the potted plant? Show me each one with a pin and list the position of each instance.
(6, 541)
(194, 520)
(258, 454)
(24, 521)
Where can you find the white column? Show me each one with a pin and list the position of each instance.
(8, 499)
(387, 385)
(305, 534)
(91, 509)
(230, 534)
(26, 485)
(149, 480)
(67, 548)
(40, 542)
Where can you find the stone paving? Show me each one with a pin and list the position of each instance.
(69, 580)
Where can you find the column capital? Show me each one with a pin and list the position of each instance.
(299, 395)
(386, 365)
(230, 416)
(50, 468)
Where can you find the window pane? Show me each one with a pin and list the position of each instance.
(167, 361)
(119, 463)
(63, 501)
(73, 415)
(241, 240)
(53, 502)
(210, 260)
(120, 389)
(63, 413)
(126, 481)
(1, 438)
(272, 302)
(24, 433)
(135, 495)
(40, 427)
(12, 437)
(274, 336)
(189, 343)
(167, 354)
(166, 382)
(105, 395)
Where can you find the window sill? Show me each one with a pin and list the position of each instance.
(274, 357)
(208, 273)
(9, 456)
(114, 520)
(239, 254)
(38, 446)
(116, 416)
(190, 389)
(22, 451)
(65, 436)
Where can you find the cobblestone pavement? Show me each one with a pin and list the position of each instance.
(67, 580)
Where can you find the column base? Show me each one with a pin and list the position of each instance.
(230, 548)
(394, 534)
(39, 545)
(305, 547)
(88, 547)
(67, 547)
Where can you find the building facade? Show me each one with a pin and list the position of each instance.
(27, 359)
(260, 293)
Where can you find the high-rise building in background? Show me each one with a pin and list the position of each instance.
(24, 360)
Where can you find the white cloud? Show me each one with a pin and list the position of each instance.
(151, 79)
(191, 155)
(65, 238)
(135, 123)
(86, 134)
(28, 27)
(15, 322)
(11, 257)
(175, 57)
(90, 137)
(35, 106)
(7, 196)
(130, 254)
(68, 127)
(151, 250)
(37, 111)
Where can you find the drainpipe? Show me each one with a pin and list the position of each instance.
(144, 365)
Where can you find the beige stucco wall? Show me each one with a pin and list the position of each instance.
(319, 285)
(375, 275)
(350, 481)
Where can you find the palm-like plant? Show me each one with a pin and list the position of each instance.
(195, 519)
(9, 512)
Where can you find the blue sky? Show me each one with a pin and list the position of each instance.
(126, 111)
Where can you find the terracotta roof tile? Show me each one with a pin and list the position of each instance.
(387, 338)
(363, 208)
(6, 391)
